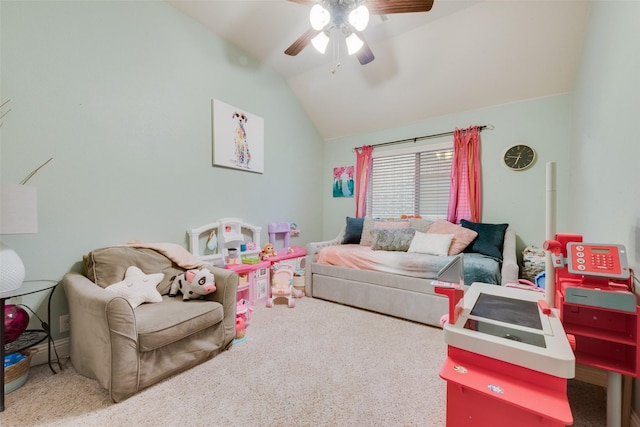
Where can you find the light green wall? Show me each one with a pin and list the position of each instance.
(119, 94)
(605, 196)
(517, 198)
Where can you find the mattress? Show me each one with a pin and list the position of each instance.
(477, 267)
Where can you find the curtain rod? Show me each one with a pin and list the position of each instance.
(420, 138)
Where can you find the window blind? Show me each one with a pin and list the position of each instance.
(413, 183)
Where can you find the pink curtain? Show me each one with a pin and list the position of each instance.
(465, 200)
(363, 168)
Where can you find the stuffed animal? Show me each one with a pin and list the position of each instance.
(244, 310)
(240, 328)
(193, 284)
(268, 251)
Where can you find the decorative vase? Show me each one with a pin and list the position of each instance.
(16, 320)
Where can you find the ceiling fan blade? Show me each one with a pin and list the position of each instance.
(302, 42)
(365, 55)
(383, 7)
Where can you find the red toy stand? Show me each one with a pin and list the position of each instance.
(505, 370)
(485, 392)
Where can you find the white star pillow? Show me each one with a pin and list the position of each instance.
(137, 287)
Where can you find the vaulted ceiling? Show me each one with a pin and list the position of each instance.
(462, 55)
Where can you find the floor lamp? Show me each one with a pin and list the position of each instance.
(18, 215)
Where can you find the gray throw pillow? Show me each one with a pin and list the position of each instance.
(391, 239)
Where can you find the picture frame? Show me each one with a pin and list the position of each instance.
(238, 138)
(343, 181)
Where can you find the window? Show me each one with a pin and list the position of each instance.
(412, 182)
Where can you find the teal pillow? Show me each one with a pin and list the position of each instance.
(353, 231)
(490, 239)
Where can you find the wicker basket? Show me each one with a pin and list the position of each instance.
(19, 369)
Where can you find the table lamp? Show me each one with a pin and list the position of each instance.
(18, 215)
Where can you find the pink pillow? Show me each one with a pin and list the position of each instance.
(461, 236)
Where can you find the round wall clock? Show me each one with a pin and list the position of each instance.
(519, 157)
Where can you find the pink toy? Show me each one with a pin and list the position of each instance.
(240, 328)
(282, 286)
(244, 310)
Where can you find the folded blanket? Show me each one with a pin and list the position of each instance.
(173, 251)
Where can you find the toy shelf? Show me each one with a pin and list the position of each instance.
(605, 338)
(257, 281)
(614, 326)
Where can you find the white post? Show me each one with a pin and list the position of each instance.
(614, 399)
(550, 233)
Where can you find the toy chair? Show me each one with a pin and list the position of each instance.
(282, 285)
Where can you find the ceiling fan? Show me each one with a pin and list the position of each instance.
(349, 18)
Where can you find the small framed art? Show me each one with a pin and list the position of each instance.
(343, 184)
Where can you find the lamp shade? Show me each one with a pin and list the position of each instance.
(18, 215)
(319, 17)
(354, 43)
(359, 17)
(320, 42)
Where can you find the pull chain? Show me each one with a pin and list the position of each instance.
(336, 55)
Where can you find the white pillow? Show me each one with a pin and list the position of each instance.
(431, 243)
(137, 287)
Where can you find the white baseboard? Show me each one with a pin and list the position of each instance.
(61, 347)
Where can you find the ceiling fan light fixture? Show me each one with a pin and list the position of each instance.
(320, 42)
(359, 17)
(354, 43)
(319, 17)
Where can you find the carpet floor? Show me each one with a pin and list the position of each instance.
(319, 364)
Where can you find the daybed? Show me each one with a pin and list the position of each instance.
(128, 345)
(400, 283)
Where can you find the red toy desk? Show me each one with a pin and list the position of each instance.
(503, 373)
(486, 392)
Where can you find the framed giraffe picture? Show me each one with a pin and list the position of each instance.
(238, 138)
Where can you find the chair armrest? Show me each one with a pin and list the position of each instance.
(102, 323)
(226, 294)
(510, 270)
(312, 251)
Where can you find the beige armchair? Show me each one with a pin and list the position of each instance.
(127, 349)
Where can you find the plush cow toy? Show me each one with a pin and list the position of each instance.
(193, 284)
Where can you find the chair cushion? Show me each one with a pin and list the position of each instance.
(107, 266)
(174, 319)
